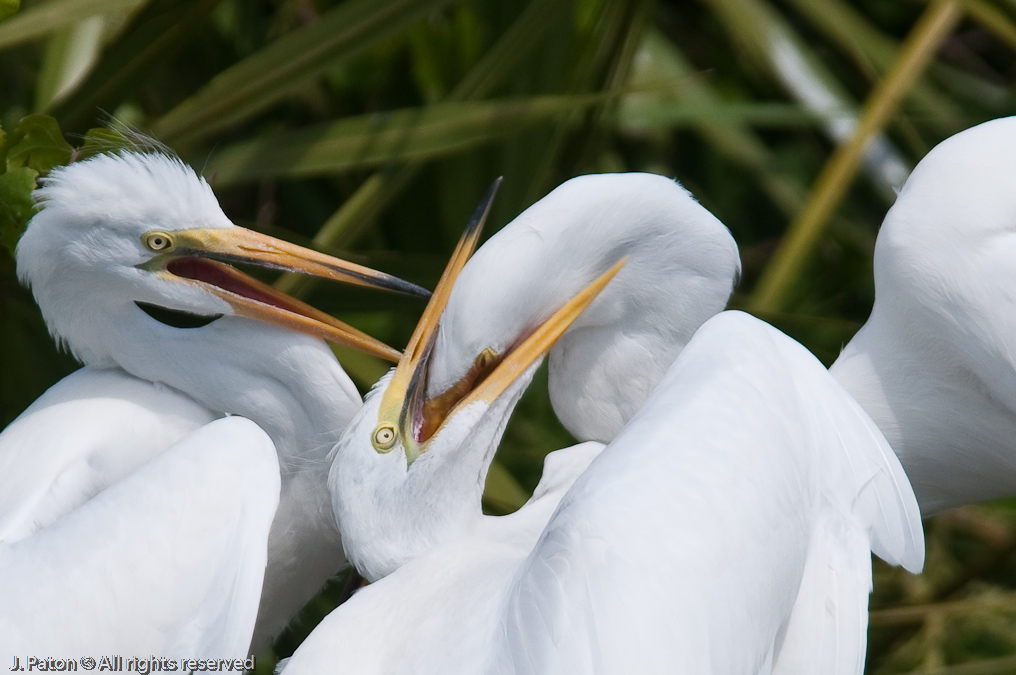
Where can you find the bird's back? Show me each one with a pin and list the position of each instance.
(691, 533)
(83, 435)
(114, 577)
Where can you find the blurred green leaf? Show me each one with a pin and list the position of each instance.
(371, 140)
(772, 46)
(70, 53)
(934, 27)
(16, 204)
(380, 189)
(43, 18)
(993, 19)
(652, 113)
(101, 140)
(37, 143)
(288, 63)
(8, 8)
(160, 29)
(874, 53)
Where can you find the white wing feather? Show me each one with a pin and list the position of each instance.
(694, 529)
(168, 561)
(437, 613)
(727, 529)
(827, 628)
(87, 432)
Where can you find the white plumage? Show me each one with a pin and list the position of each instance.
(934, 364)
(124, 261)
(727, 528)
(171, 555)
(682, 266)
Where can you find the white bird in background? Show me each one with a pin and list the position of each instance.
(126, 262)
(727, 527)
(935, 364)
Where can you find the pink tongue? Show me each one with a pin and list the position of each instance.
(221, 276)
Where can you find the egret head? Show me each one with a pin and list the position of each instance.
(414, 470)
(683, 264)
(123, 240)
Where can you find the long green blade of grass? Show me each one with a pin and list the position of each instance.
(803, 235)
(379, 190)
(917, 613)
(70, 53)
(160, 29)
(665, 76)
(776, 49)
(45, 17)
(993, 19)
(873, 53)
(264, 78)
(371, 140)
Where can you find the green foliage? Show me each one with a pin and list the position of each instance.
(16, 205)
(32, 149)
(370, 128)
(264, 77)
(100, 140)
(38, 144)
(401, 135)
(8, 8)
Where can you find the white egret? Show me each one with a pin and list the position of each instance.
(727, 527)
(126, 260)
(935, 364)
(171, 557)
(683, 265)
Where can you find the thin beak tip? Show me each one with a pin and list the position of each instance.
(415, 291)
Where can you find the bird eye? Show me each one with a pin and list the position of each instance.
(384, 438)
(157, 241)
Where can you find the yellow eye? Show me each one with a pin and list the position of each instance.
(384, 438)
(157, 241)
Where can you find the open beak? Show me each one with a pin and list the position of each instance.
(200, 256)
(239, 245)
(404, 406)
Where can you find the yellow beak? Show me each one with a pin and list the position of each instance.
(407, 387)
(198, 256)
(239, 245)
(403, 406)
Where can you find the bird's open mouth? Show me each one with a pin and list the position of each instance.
(199, 256)
(405, 411)
(218, 275)
(231, 280)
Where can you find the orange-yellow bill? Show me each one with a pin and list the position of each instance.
(199, 256)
